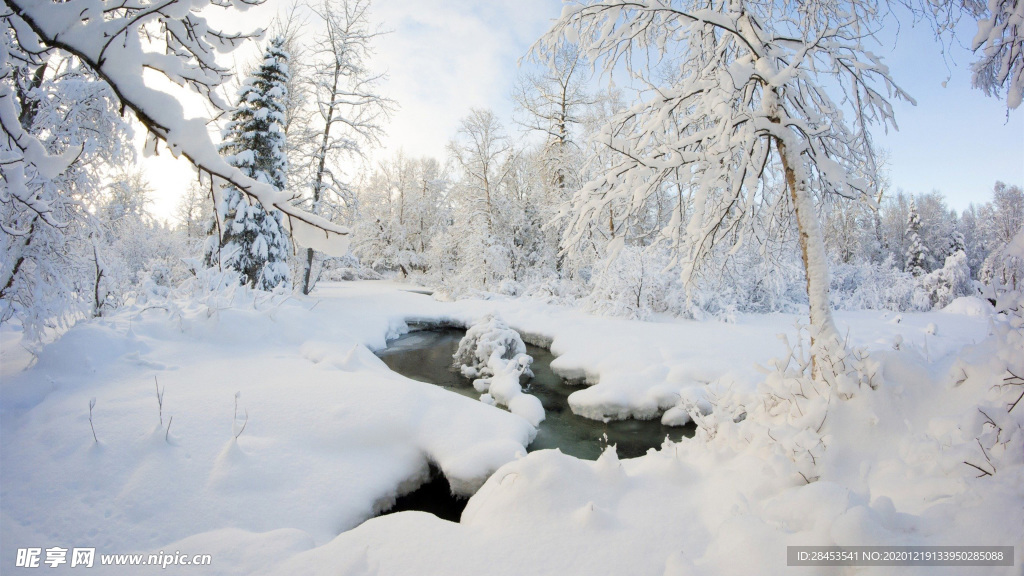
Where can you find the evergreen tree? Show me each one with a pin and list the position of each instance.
(917, 253)
(253, 242)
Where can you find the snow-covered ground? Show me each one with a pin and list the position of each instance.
(281, 432)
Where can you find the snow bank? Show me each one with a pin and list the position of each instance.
(323, 437)
(889, 465)
(330, 436)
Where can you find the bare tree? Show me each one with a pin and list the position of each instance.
(484, 154)
(738, 103)
(293, 25)
(194, 211)
(350, 110)
(553, 103)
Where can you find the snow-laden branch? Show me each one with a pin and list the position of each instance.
(109, 37)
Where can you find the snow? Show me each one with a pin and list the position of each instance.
(331, 437)
(325, 418)
(970, 306)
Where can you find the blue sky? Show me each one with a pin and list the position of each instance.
(445, 56)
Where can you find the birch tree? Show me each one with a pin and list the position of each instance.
(350, 111)
(741, 97)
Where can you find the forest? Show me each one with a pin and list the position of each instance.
(688, 209)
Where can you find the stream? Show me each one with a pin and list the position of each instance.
(426, 356)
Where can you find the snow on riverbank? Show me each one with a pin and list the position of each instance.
(331, 435)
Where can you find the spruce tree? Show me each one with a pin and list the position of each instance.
(253, 242)
(917, 253)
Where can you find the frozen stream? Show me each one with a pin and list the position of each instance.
(427, 356)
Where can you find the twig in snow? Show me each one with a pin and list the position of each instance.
(92, 404)
(243, 425)
(168, 433)
(980, 469)
(159, 400)
(1017, 401)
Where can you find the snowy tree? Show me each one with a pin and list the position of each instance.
(486, 159)
(249, 239)
(998, 41)
(553, 103)
(938, 225)
(1002, 224)
(951, 281)
(1007, 214)
(62, 130)
(739, 105)
(975, 243)
(400, 212)
(350, 109)
(194, 211)
(116, 41)
(917, 253)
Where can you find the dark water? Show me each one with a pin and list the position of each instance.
(434, 496)
(427, 356)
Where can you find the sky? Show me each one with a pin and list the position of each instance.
(444, 57)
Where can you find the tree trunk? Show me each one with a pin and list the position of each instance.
(812, 249)
(307, 285)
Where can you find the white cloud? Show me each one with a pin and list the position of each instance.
(445, 57)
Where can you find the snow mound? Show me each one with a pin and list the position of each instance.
(484, 338)
(496, 355)
(969, 306)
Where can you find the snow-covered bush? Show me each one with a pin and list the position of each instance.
(491, 335)
(948, 283)
(495, 356)
(788, 420)
(554, 290)
(869, 286)
(345, 268)
(633, 283)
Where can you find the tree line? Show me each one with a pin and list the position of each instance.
(742, 178)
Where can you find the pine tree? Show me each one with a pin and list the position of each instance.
(917, 253)
(253, 242)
